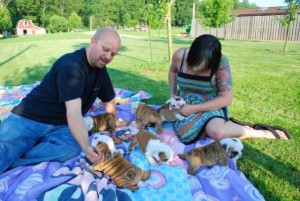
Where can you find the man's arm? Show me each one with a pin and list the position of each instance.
(79, 130)
(110, 107)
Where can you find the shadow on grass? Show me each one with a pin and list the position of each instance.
(16, 55)
(120, 78)
(80, 45)
(269, 165)
(28, 75)
(180, 41)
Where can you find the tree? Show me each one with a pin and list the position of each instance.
(216, 13)
(74, 21)
(183, 12)
(5, 20)
(243, 4)
(29, 9)
(4, 3)
(58, 24)
(157, 12)
(293, 9)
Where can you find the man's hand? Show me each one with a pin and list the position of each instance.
(92, 155)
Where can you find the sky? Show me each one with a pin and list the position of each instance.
(268, 3)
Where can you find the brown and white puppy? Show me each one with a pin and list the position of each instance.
(155, 150)
(170, 110)
(208, 155)
(169, 115)
(101, 122)
(233, 147)
(102, 138)
(175, 102)
(121, 171)
(146, 115)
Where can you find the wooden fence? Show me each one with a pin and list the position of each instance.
(251, 28)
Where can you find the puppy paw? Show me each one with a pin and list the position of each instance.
(179, 117)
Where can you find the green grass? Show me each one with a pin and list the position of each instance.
(265, 80)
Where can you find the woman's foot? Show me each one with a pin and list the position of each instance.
(273, 132)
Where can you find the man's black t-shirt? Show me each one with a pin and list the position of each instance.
(70, 77)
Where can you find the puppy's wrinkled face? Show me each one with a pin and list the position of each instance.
(110, 120)
(233, 147)
(175, 103)
(132, 178)
(103, 148)
(98, 137)
(163, 157)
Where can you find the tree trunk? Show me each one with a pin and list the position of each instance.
(149, 39)
(169, 30)
(286, 37)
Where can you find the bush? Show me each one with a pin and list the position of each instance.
(58, 24)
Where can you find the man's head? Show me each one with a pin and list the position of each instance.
(103, 47)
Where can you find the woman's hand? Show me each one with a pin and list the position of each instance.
(92, 155)
(187, 110)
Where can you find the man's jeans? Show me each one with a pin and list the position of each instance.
(27, 142)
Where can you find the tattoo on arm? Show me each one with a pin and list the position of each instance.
(224, 81)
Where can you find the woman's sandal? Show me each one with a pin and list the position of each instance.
(241, 122)
(273, 129)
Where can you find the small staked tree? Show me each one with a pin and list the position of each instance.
(216, 13)
(155, 16)
(293, 9)
(74, 21)
(159, 14)
(169, 29)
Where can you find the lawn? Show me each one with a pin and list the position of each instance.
(265, 80)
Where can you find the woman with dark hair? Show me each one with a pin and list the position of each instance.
(201, 76)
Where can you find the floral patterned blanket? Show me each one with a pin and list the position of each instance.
(74, 179)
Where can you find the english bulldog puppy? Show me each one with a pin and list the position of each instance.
(233, 147)
(155, 150)
(208, 155)
(122, 172)
(175, 102)
(108, 141)
(101, 122)
(146, 115)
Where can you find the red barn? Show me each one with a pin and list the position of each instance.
(26, 27)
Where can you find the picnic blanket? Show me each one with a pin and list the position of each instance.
(74, 179)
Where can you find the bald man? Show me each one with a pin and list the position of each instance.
(48, 124)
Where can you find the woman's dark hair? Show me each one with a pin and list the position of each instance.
(205, 50)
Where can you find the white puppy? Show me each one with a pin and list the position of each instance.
(104, 139)
(156, 151)
(175, 102)
(233, 147)
(170, 110)
(153, 151)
